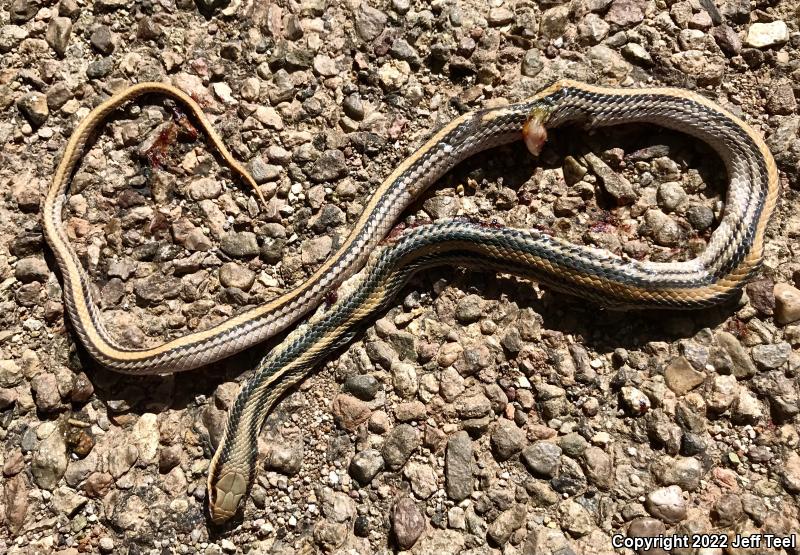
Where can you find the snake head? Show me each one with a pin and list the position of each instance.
(225, 495)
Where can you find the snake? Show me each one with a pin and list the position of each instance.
(369, 269)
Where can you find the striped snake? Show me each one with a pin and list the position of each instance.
(733, 253)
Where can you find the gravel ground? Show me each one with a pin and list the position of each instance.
(481, 414)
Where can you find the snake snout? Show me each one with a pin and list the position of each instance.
(225, 495)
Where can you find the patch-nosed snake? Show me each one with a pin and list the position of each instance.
(733, 253)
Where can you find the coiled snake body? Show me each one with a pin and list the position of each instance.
(733, 253)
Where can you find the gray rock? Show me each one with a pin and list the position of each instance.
(401, 50)
(618, 187)
(337, 506)
(746, 409)
(663, 229)
(573, 444)
(780, 98)
(685, 472)
(469, 309)
(458, 466)
(791, 473)
(263, 172)
(400, 443)
(57, 34)
(575, 519)
(532, 63)
(626, 13)
(707, 69)
(507, 439)
(313, 251)
(500, 16)
(543, 458)
(157, 287)
(636, 402)
(106, 544)
(354, 107)
(102, 39)
(100, 68)
(239, 244)
(451, 384)
(285, 458)
(7, 397)
(197, 241)
(404, 379)
(728, 510)
(330, 165)
(328, 535)
(294, 28)
(667, 504)
(329, 216)
(30, 269)
(362, 386)
(766, 35)
(365, 465)
(670, 196)
(741, 365)
(22, 10)
(235, 275)
(69, 8)
(475, 358)
(500, 530)
(574, 172)
(637, 54)
(324, 66)
(66, 502)
(593, 29)
(381, 353)
(169, 457)
(727, 39)
(598, 468)
(369, 22)
(422, 478)
(554, 21)
(768, 357)
(724, 391)
(50, 461)
(646, 527)
(204, 188)
(122, 459)
(512, 340)
(407, 521)
(45, 389)
(700, 216)
(474, 406)
(439, 207)
(34, 107)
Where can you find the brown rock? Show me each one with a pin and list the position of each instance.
(681, 377)
(408, 523)
(16, 502)
(787, 303)
(349, 412)
(762, 296)
(98, 484)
